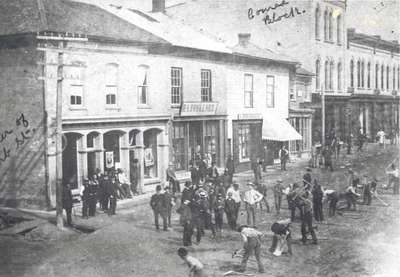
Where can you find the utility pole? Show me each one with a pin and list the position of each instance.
(323, 114)
(59, 173)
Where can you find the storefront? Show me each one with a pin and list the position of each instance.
(301, 121)
(246, 141)
(197, 133)
(105, 146)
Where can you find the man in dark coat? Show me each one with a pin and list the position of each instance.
(194, 174)
(171, 178)
(67, 202)
(230, 168)
(307, 219)
(230, 210)
(327, 153)
(187, 192)
(284, 157)
(187, 222)
(112, 194)
(318, 194)
(158, 203)
(307, 178)
(134, 174)
(170, 202)
(85, 196)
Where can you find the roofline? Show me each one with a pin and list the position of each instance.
(293, 63)
(365, 39)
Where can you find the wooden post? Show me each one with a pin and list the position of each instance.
(59, 174)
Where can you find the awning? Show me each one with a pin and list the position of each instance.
(278, 129)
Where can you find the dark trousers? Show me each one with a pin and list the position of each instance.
(318, 210)
(127, 190)
(219, 220)
(92, 205)
(164, 219)
(283, 164)
(328, 164)
(85, 207)
(332, 206)
(68, 211)
(231, 217)
(113, 205)
(348, 149)
(169, 212)
(278, 202)
(351, 200)
(187, 233)
(134, 185)
(306, 227)
(367, 198)
(237, 209)
(265, 201)
(199, 225)
(253, 245)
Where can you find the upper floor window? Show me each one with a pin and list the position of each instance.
(142, 88)
(387, 77)
(206, 85)
(317, 18)
(248, 90)
(362, 73)
(326, 75)
(111, 83)
(369, 75)
(382, 77)
(326, 25)
(339, 76)
(358, 74)
(317, 74)
(270, 91)
(394, 78)
(176, 85)
(331, 69)
(339, 29)
(376, 76)
(76, 87)
(330, 27)
(352, 73)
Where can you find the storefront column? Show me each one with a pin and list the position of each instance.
(82, 168)
(221, 143)
(163, 155)
(140, 157)
(124, 140)
(100, 152)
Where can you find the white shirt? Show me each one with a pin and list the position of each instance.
(235, 195)
(381, 135)
(252, 196)
(249, 233)
(122, 178)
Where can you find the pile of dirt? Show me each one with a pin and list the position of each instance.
(48, 232)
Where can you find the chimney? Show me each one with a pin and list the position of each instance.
(244, 39)
(158, 6)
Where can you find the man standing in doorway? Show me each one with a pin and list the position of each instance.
(284, 157)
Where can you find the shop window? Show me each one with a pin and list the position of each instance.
(211, 139)
(176, 85)
(142, 88)
(150, 153)
(206, 85)
(244, 143)
(178, 146)
(248, 90)
(111, 88)
(270, 91)
(90, 139)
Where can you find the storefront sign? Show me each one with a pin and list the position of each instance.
(249, 116)
(198, 108)
(109, 159)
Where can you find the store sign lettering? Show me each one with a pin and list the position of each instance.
(189, 109)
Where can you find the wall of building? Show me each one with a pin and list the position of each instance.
(22, 128)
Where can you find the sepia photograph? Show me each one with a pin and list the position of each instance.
(199, 138)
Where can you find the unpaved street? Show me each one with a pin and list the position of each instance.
(361, 243)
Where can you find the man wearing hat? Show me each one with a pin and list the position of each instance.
(251, 198)
(171, 178)
(278, 195)
(187, 222)
(307, 178)
(158, 203)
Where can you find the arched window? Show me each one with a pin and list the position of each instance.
(387, 77)
(331, 69)
(358, 74)
(369, 75)
(326, 25)
(317, 18)
(317, 74)
(339, 76)
(382, 77)
(330, 27)
(362, 73)
(376, 76)
(326, 75)
(352, 73)
(111, 79)
(394, 78)
(339, 28)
